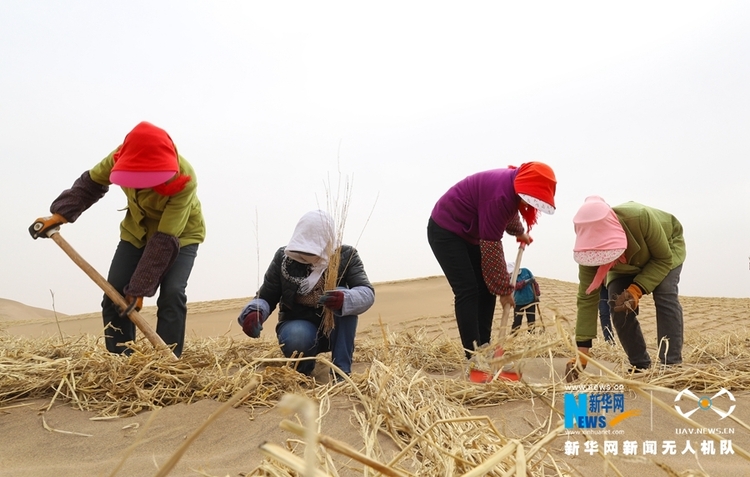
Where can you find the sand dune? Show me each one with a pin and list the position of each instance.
(230, 446)
(14, 311)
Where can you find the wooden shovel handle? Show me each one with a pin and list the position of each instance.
(513, 278)
(113, 294)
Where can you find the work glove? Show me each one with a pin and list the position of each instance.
(41, 225)
(134, 303)
(524, 238)
(252, 324)
(628, 299)
(333, 299)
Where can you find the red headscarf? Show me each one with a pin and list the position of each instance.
(148, 159)
(535, 180)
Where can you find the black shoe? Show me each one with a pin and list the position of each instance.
(632, 369)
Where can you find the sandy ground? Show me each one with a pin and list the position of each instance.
(30, 444)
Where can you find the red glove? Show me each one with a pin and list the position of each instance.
(524, 239)
(333, 299)
(252, 325)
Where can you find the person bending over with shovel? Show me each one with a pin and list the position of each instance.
(159, 235)
(465, 233)
(312, 319)
(633, 250)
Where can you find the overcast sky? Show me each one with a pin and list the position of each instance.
(276, 103)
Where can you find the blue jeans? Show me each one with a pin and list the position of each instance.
(304, 337)
(669, 324)
(171, 305)
(462, 265)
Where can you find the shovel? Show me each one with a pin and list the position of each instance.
(509, 372)
(113, 294)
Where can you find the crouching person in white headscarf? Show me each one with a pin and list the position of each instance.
(295, 281)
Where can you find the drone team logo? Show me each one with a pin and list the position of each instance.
(704, 403)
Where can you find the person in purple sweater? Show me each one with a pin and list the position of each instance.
(465, 233)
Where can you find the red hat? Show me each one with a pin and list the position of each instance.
(536, 183)
(146, 159)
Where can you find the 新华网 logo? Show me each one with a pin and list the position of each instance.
(595, 410)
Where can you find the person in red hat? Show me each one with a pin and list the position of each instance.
(465, 233)
(159, 235)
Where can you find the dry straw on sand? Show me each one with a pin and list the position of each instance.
(416, 412)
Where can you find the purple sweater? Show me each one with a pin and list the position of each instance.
(480, 206)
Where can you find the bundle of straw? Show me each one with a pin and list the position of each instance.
(338, 209)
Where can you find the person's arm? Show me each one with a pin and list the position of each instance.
(587, 307)
(515, 227)
(84, 193)
(271, 289)
(355, 301)
(521, 284)
(257, 311)
(178, 209)
(158, 256)
(586, 320)
(660, 261)
(359, 294)
(494, 268)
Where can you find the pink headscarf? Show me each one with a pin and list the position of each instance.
(600, 238)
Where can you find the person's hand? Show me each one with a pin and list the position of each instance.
(628, 299)
(134, 303)
(42, 225)
(572, 370)
(507, 300)
(333, 299)
(524, 238)
(521, 284)
(252, 325)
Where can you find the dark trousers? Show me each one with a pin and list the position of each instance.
(305, 338)
(669, 323)
(521, 310)
(605, 317)
(171, 305)
(461, 263)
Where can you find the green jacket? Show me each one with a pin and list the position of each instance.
(655, 247)
(148, 212)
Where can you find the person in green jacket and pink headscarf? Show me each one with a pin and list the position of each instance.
(633, 250)
(159, 234)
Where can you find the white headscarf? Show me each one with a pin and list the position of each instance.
(314, 237)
